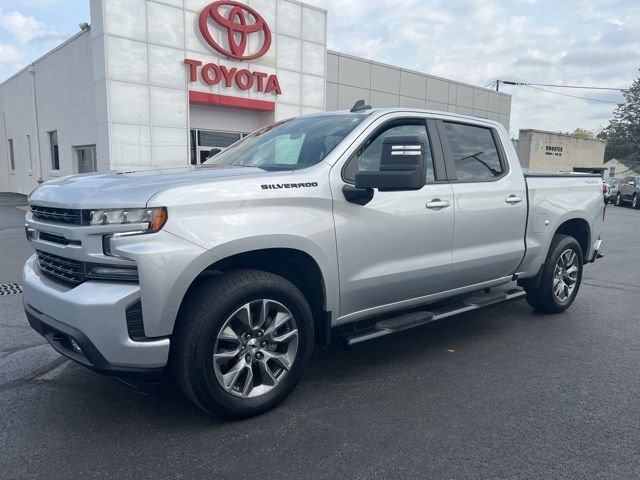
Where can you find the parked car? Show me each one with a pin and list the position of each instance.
(629, 192)
(224, 275)
(613, 185)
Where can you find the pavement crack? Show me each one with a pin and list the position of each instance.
(624, 284)
(21, 348)
(52, 365)
(613, 287)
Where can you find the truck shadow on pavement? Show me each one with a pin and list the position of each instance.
(335, 374)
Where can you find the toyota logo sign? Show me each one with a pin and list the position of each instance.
(239, 21)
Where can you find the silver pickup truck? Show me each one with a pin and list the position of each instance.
(354, 224)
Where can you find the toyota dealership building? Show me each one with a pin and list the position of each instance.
(158, 83)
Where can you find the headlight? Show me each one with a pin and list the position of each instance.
(155, 218)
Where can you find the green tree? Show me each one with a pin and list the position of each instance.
(582, 133)
(623, 132)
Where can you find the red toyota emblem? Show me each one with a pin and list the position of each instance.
(241, 20)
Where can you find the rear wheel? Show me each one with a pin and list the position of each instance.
(561, 276)
(242, 342)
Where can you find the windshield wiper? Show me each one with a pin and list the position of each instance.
(494, 172)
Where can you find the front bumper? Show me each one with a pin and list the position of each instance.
(93, 315)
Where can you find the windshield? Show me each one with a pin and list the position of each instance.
(291, 144)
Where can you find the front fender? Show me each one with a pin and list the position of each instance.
(323, 255)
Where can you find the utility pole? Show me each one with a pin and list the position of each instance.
(497, 85)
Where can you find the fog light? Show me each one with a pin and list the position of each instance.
(74, 345)
(29, 232)
(103, 272)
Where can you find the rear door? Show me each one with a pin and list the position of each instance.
(490, 204)
(398, 246)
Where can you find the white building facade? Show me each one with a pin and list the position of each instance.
(161, 83)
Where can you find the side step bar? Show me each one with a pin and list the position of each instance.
(416, 319)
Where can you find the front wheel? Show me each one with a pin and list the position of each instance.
(561, 276)
(242, 342)
(618, 202)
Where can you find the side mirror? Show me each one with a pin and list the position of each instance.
(632, 183)
(401, 165)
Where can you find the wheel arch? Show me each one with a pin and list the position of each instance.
(296, 265)
(576, 227)
(579, 229)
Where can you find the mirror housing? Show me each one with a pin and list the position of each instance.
(401, 165)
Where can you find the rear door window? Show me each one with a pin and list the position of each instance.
(474, 151)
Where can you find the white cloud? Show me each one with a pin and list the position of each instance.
(9, 54)
(479, 41)
(26, 29)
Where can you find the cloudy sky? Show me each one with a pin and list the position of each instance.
(476, 41)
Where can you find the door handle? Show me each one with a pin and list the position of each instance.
(513, 199)
(436, 204)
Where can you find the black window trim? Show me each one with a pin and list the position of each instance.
(450, 161)
(439, 167)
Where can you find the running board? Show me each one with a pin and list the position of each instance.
(406, 321)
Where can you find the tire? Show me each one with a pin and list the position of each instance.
(543, 297)
(213, 320)
(618, 202)
(635, 203)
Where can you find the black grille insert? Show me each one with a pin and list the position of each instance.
(59, 239)
(57, 215)
(70, 271)
(135, 325)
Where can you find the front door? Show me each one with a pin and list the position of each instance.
(395, 248)
(491, 204)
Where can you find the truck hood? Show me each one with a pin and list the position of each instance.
(126, 189)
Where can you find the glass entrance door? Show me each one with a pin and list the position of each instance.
(207, 143)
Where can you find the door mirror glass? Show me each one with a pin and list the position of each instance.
(402, 159)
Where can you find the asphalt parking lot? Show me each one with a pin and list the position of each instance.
(500, 393)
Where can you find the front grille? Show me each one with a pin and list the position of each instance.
(70, 271)
(57, 215)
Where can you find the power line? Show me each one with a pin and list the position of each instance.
(576, 86)
(531, 85)
(572, 96)
(555, 85)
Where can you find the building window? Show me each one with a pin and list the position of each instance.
(86, 156)
(12, 158)
(612, 171)
(30, 155)
(55, 154)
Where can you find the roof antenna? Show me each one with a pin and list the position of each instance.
(359, 106)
